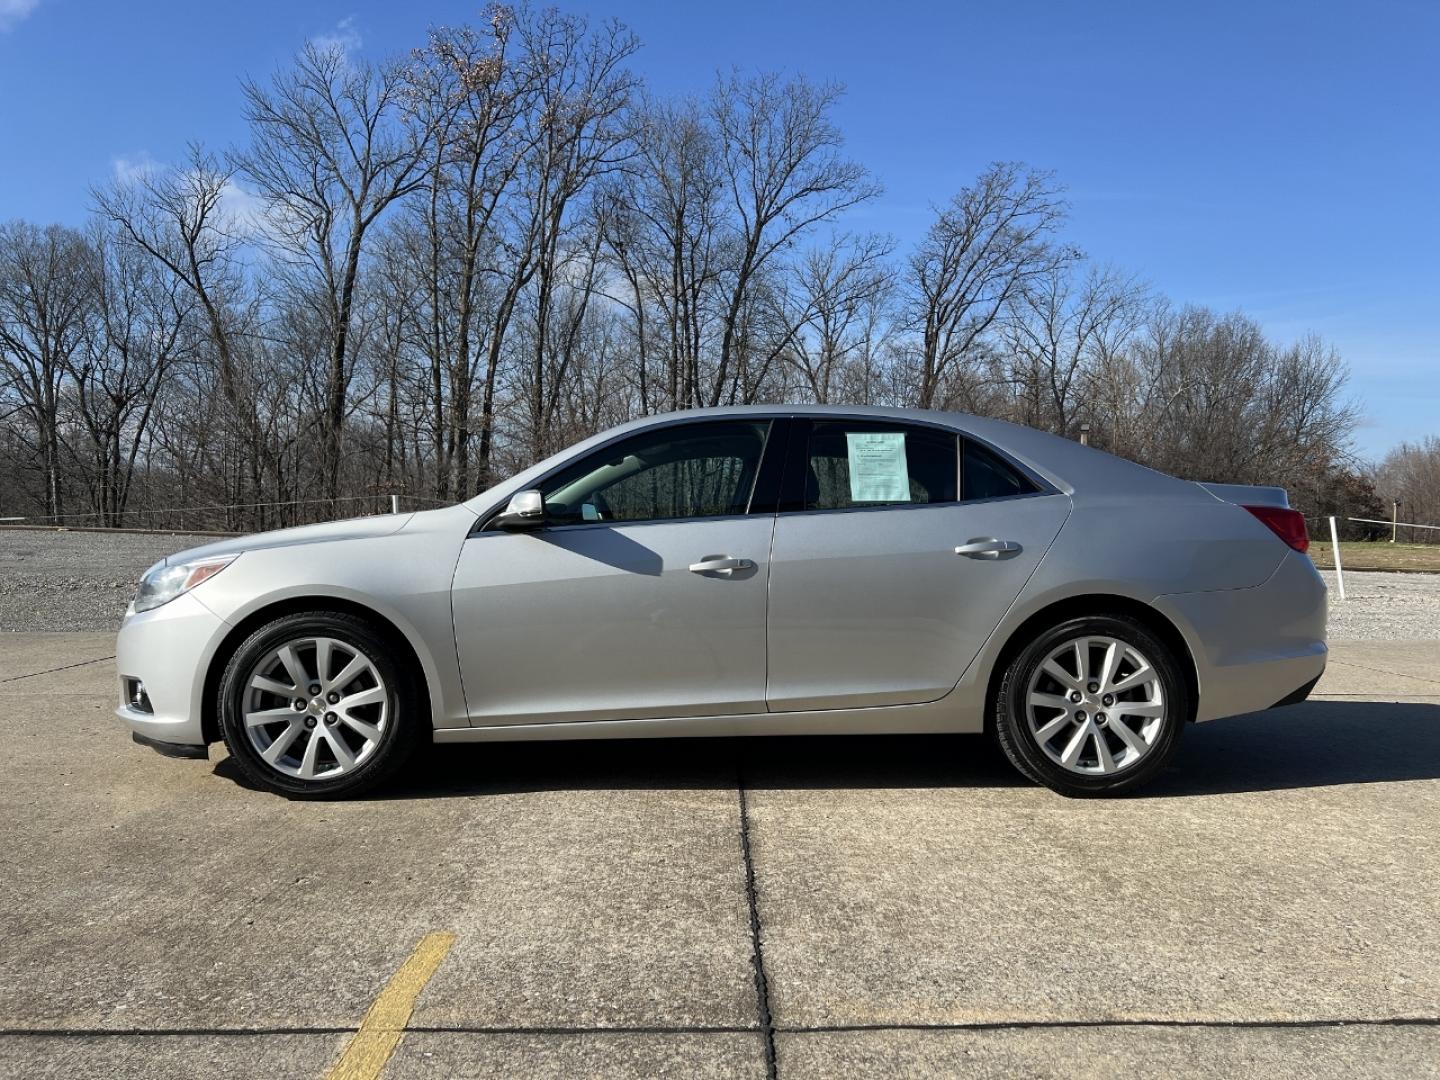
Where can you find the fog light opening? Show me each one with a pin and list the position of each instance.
(136, 697)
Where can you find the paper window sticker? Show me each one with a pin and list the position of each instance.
(878, 469)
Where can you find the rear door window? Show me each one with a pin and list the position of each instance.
(856, 464)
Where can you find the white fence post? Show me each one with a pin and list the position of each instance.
(395, 507)
(1335, 547)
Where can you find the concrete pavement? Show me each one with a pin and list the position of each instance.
(1266, 909)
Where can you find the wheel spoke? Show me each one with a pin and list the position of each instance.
(373, 696)
(1050, 730)
(350, 672)
(1140, 708)
(370, 731)
(268, 716)
(293, 667)
(271, 686)
(1060, 675)
(1082, 660)
(1140, 675)
(276, 750)
(307, 763)
(338, 748)
(1108, 665)
(1130, 737)
(1049, 701)
(1102, 752)
(1076, 745)
(322, 659)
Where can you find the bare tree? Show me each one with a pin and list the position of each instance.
(839, 291)
(182, 219)
(578, 131)
(471, 91)
(1410, 474)
(142, 314)
(47, 287)
(780, 159)
(665, 230)
(992, 241)
(1059, 332)
(1221, 401)
(328, 155)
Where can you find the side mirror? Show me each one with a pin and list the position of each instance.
(525, 511)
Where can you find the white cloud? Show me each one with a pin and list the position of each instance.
(131, 168)
(12, 11)
(244, 210)
(344, 38)
(239, 210)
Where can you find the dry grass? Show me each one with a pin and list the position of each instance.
(1377, 555)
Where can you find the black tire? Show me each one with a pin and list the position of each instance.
(405, 727)
(1019, 743)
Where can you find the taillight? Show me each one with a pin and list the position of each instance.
(1287, 524)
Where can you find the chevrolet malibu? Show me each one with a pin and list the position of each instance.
(744, 571)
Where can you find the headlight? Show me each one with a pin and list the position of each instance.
(161, 584)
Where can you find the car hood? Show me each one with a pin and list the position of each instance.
(352, 529)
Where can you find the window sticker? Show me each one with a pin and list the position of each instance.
(878, 470)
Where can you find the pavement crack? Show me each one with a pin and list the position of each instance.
(1382, 671)
(727, 1029)
(51, 671)
(757, 958)
(1118, 1022)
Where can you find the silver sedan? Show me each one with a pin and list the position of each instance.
(745, 571)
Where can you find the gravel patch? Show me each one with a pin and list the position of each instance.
(1384, 607)
(82, 581)
(68, 581)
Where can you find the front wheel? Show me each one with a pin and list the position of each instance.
(314, 705)
(1092, 706)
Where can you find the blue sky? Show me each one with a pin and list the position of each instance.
(1280, 158)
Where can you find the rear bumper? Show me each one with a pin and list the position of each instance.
(1295, 697)
(169, 650)
(1254, 648)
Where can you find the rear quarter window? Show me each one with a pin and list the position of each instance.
(984, 474)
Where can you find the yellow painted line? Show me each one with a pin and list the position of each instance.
(384, 1025)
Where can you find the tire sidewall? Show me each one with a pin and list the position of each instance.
(395, 743)
(1013, 731)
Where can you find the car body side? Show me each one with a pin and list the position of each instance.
(1248, 611)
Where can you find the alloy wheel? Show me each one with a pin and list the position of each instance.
(315, 708)
(1095, 706)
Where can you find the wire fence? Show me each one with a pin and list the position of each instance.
(1385, 546)
(1358, 530)
(230, 517)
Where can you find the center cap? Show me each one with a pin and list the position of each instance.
(317, 705)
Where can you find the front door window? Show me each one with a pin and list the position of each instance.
(686, 471)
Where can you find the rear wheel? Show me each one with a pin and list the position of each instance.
(1092, 706)
(313, 705)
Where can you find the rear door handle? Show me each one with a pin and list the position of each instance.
(986, 547)
(720, 564)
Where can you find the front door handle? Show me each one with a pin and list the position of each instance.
(720, 564)
(987, 547)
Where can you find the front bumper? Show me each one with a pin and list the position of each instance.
(169, 650)
(1254, 648)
